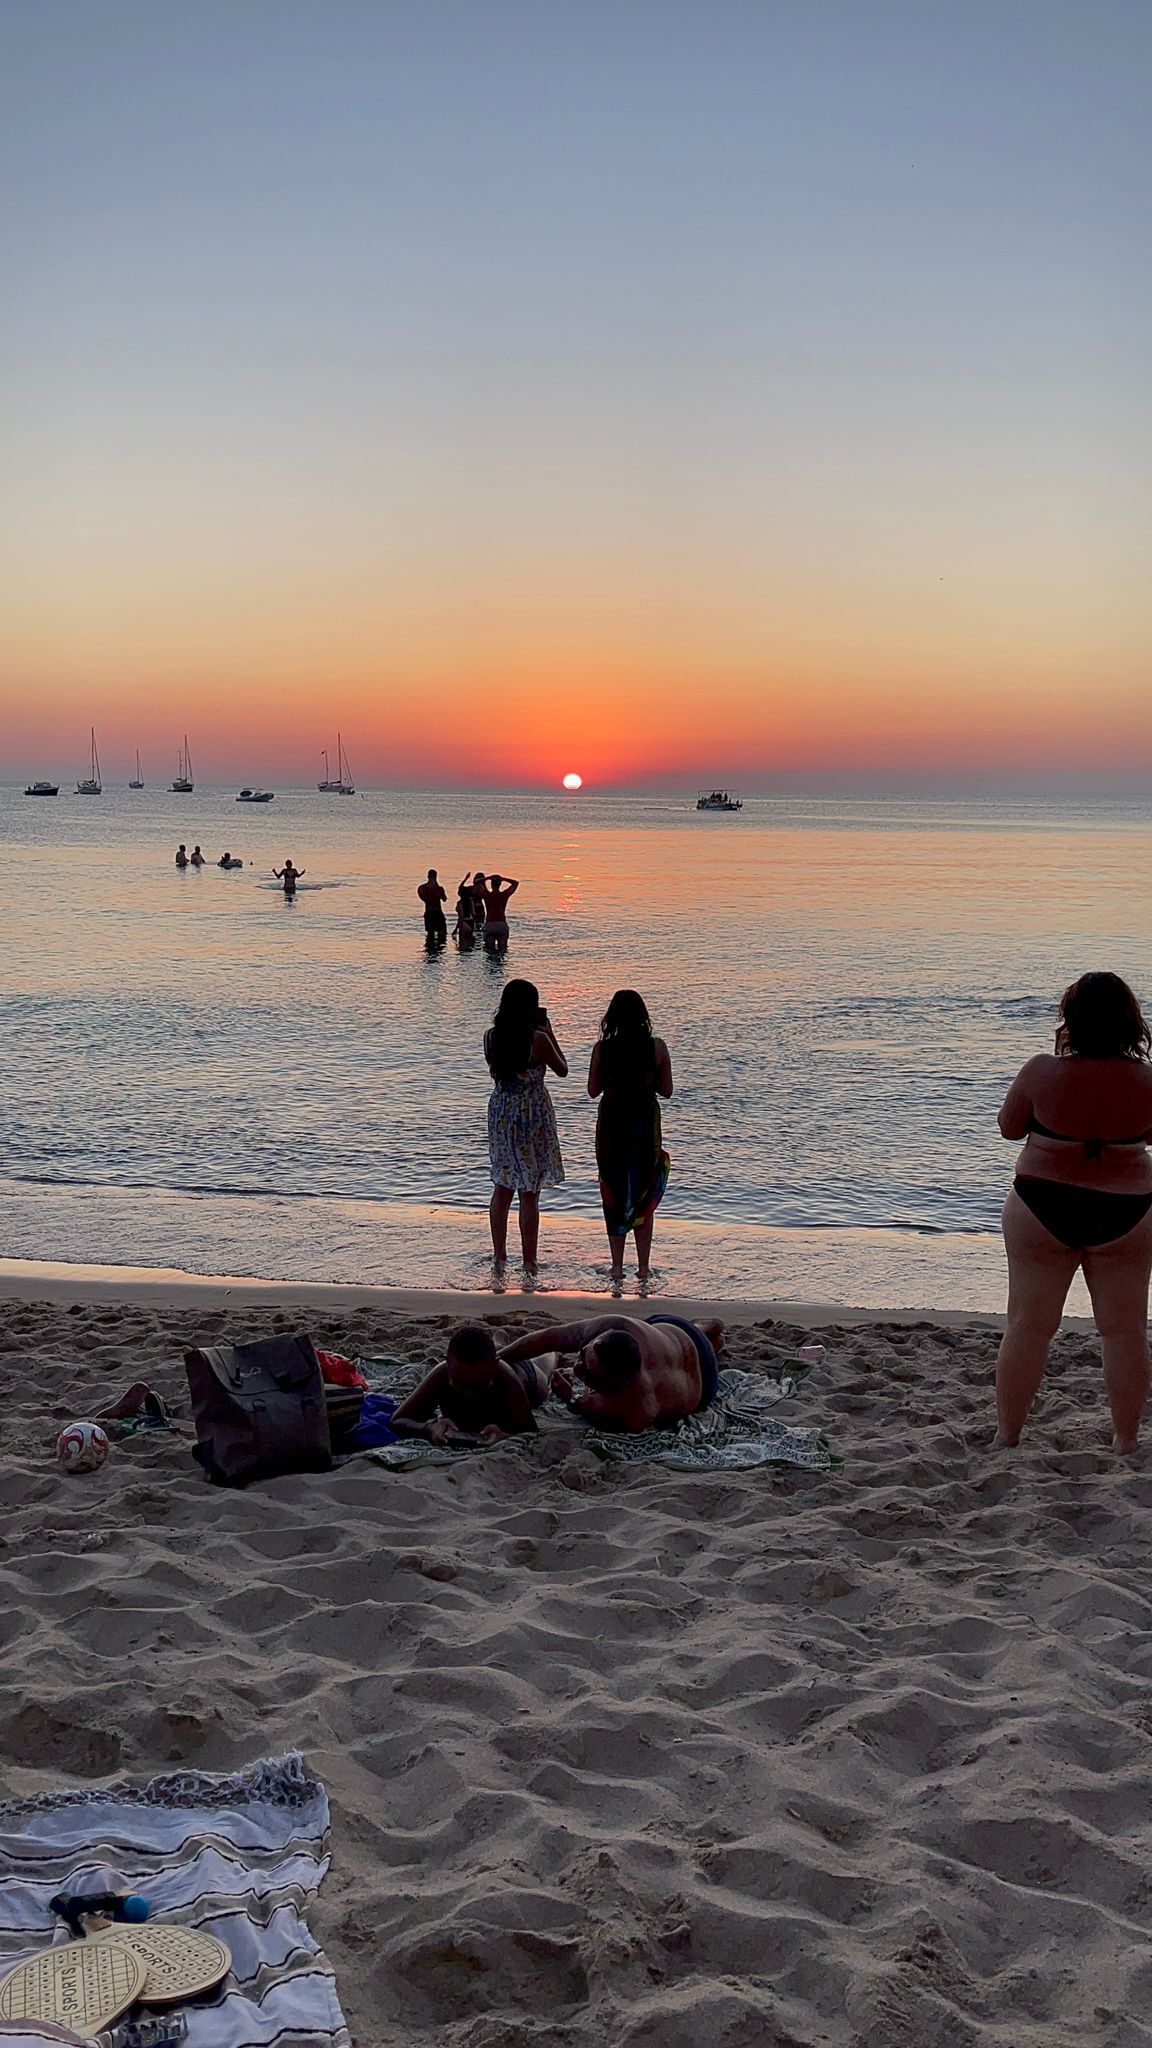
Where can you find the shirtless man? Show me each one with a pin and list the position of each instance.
(181, 856)
(289, 876)
(475, 1396)
(497, 890)
(196, 858)
(433, 895)
(637, 1374)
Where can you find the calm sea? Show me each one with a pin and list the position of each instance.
(199, 1074)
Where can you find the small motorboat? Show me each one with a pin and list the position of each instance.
(42, 789)
(719, 800)
(256, 796)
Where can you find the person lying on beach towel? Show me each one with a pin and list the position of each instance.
(637, 1374)
(475, 1395)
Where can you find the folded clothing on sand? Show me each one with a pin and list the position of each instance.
(241, 1857)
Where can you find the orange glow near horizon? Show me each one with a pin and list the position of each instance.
(668, 657)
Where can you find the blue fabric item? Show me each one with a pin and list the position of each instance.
(375, 1424)
(709, 1370)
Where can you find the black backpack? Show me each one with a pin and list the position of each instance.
(259, 1409)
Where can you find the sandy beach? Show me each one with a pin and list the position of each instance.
(624, 1757)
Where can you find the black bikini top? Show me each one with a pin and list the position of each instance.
(1093, 1147)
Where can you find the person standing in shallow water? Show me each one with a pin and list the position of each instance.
(496, 893)
(1082, 1199)
(289, 876)
(523, 1145)
(433, 895)
(629, 1071)
(464, 930)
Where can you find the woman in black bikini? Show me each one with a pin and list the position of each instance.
(1082, 1197)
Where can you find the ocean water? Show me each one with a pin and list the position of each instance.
(198, 1073)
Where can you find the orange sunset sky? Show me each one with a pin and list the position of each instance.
(669, 393)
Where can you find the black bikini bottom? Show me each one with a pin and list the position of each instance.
(1081, 1217)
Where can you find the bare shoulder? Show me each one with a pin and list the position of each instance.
(1041, 1066)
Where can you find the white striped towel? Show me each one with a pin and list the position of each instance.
(241, 1857)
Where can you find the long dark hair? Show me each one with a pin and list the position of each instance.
(627, 1054)
(508, 1045)
(1101, 1019)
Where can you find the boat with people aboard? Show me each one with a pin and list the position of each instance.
(90, 784)
(42, 789)
(340, 784)
(256, 796)
(719, 800)
(182, 783)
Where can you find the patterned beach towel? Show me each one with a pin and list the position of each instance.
(735, 1434)
(241, 1857)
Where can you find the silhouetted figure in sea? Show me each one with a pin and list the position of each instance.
(289, 876)
(496, 893)
(181, 856)
(433, 895)
(464, 930)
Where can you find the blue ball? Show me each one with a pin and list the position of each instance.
(136, 1908)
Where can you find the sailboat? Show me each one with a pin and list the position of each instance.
(183, 784)
(90, 784)
(341, 784)
(138, 783)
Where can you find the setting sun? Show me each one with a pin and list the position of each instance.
(573, 782)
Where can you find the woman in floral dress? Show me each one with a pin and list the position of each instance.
(523, 1145)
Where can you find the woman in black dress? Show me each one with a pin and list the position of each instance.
(630, 1071)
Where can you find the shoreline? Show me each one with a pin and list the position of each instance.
(59, 1282)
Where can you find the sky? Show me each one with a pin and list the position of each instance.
(742, 390)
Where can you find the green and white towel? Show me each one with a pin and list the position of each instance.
(735, 1434)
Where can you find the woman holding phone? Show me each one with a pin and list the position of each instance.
(523, 1145)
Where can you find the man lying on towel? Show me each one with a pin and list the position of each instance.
(635, 1374)
(475, 1396)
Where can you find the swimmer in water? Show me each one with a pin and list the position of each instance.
(289, 876)
(181, 856)
(197, 857)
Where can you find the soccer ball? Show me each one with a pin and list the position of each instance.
(82, 1447)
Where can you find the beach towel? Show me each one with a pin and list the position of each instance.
(734, 1434)
(241, 1857)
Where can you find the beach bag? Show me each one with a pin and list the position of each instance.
(259, 1409)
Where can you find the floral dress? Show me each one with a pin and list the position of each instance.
(523, 1144)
